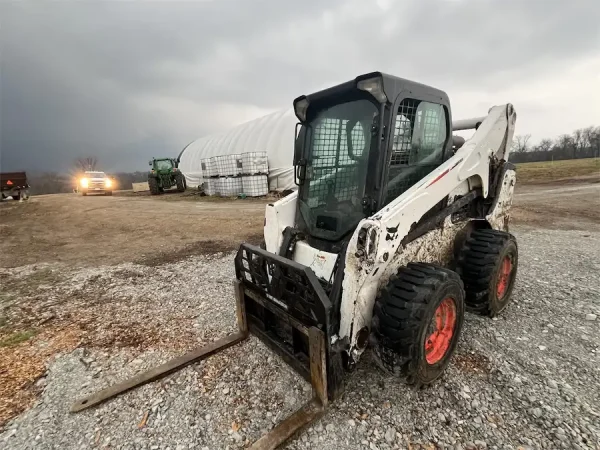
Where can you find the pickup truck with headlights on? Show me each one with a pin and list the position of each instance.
(95, 183)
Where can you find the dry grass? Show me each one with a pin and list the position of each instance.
(17, 338)
(587, 169)
(22, 363)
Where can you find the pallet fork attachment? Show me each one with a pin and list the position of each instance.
(308, 413)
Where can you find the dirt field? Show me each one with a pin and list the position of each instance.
(70, 265)
(571, 206)
(93, 230)
(84, 231)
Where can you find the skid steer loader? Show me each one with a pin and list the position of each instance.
(397, 228)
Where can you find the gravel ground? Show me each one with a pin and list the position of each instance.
(529, 379)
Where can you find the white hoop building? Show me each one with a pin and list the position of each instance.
(273, 134)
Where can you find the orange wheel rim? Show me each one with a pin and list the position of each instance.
(441, 331)
(504, 277)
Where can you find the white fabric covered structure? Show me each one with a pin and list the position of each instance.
(273, 134)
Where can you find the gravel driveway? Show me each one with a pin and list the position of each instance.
(529, 379)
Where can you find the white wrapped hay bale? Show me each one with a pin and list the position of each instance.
(255, 185)
(230, 187)
(255, 162)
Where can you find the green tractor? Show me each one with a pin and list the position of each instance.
(165, 174)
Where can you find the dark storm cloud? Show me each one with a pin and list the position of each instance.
(128, 80)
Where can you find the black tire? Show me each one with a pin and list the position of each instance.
(404, 312)
(483, 266)
(83, 193)
(153, 185)
(16, 196)
(109, 193)
(180, 180)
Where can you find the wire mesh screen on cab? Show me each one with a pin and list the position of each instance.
(420, 133)
(332, 163)
(339, 148)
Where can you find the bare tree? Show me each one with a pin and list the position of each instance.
(86, 163)
(520, 143)
(564, 146)
(577, 142)
(545, 145)
(591, 136)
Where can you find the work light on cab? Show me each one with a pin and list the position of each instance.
(373, 86)
(300, 108)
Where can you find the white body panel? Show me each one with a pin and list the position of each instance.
(322, 263)
(278, 216)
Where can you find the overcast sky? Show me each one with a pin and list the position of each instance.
(128, 80)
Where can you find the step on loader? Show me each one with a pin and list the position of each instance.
(397, 228)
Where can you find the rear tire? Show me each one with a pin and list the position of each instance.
(16, 196)
(488, 263)
(417, 322)
(180, 183)
(153, 185)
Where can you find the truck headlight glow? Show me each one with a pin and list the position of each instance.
(107, 183)
(374, 86)
(84, 182)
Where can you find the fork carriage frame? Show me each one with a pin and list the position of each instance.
(256, 314)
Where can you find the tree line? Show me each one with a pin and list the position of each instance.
(582, 143)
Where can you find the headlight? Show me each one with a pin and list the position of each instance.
(84, 182)
(107, 183)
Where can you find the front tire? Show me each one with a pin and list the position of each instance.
(488, 265)
(417, 322)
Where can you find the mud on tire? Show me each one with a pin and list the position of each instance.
(487, 264)
(417, 321)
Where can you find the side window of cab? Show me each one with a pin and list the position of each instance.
(420, 136)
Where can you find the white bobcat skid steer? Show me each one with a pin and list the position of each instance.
(396, 228)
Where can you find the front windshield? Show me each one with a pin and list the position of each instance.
(164, 164)
(338, 144)
(95, 175)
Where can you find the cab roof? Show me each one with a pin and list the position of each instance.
(392, 86)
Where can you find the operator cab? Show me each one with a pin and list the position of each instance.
(164, 164)
(362, 144)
